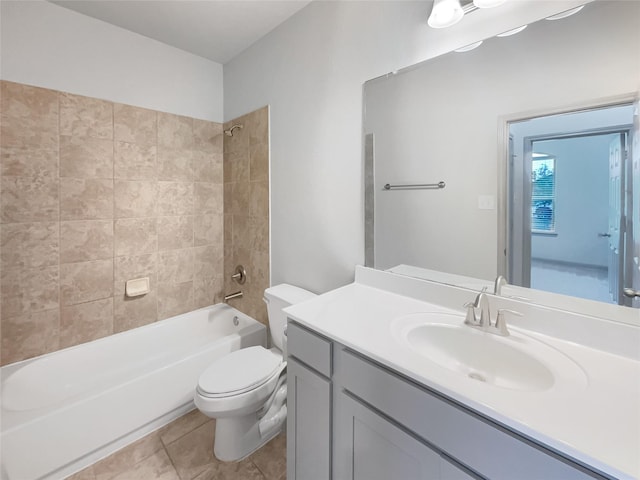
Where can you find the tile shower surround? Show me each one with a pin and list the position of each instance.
(94, 193)
(246, 210)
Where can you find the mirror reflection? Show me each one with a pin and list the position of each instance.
(524, 132)
(567, 223)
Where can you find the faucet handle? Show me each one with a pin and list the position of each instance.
(470, 319)
(501, 323)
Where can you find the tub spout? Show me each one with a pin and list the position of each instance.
(231, 296)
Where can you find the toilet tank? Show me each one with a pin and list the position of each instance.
(277, 298)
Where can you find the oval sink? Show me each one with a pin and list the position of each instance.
(480, 357)
(515, 362)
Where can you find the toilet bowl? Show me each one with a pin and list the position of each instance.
(245, 391)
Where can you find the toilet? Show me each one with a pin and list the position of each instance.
(246, 390)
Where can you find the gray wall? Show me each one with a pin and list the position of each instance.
(45, 45)
(582, 197)
(310, 70)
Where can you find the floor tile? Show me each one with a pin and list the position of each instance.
(271, 459)
(192, 453)
(244, 470)
(183, 425)
(124, 460)
(85, 474)
(156, 467)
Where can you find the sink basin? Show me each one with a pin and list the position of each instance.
(516, 362)
(480, 356)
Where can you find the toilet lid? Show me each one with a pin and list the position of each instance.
(239, 371)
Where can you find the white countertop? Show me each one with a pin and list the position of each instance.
(597, 424)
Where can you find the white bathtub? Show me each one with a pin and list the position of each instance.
(65, 410)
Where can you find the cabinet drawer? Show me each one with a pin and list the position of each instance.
(475, 441)
(310, 348)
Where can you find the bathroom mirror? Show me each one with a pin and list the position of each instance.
(448, 120)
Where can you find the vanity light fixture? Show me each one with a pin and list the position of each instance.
(513, 31)
(449, 12)
(468, 47)
(488, 3)
(445, 13)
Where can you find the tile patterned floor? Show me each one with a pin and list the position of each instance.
(183, 450)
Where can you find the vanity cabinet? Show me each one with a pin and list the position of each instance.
(308, 405)
(350, 418)
(368, 446)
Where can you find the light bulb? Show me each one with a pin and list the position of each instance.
(445, 13)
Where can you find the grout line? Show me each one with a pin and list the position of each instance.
(264, 475)
(173, 465)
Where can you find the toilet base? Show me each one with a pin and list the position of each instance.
(238, 437)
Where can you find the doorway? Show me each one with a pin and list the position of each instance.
(570, 203)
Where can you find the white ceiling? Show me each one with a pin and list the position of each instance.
(214, 29)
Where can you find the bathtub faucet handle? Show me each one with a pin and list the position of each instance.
(240, 275)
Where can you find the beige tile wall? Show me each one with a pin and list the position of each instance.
(246, 210)
(93, 193)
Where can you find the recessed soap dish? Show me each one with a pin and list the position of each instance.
(137, 287)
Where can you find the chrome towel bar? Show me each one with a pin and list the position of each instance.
(415, 186)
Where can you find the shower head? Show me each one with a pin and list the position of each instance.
(229, 131)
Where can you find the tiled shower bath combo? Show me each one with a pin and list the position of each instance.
(95, 193)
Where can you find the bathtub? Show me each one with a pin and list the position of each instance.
(65, 410)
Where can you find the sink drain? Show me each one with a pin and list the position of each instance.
(477, 376)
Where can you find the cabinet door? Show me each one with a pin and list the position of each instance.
(449, 471)
(370, 447)
(451, 429)
(308, 424)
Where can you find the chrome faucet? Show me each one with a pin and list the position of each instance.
(500, 282)
(481, 303)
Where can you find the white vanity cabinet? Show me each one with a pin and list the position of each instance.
(350, 418)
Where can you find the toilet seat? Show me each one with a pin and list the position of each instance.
(239, 372)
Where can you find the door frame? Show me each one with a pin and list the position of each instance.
(526, 185)
(504, 169)
(632, 239)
